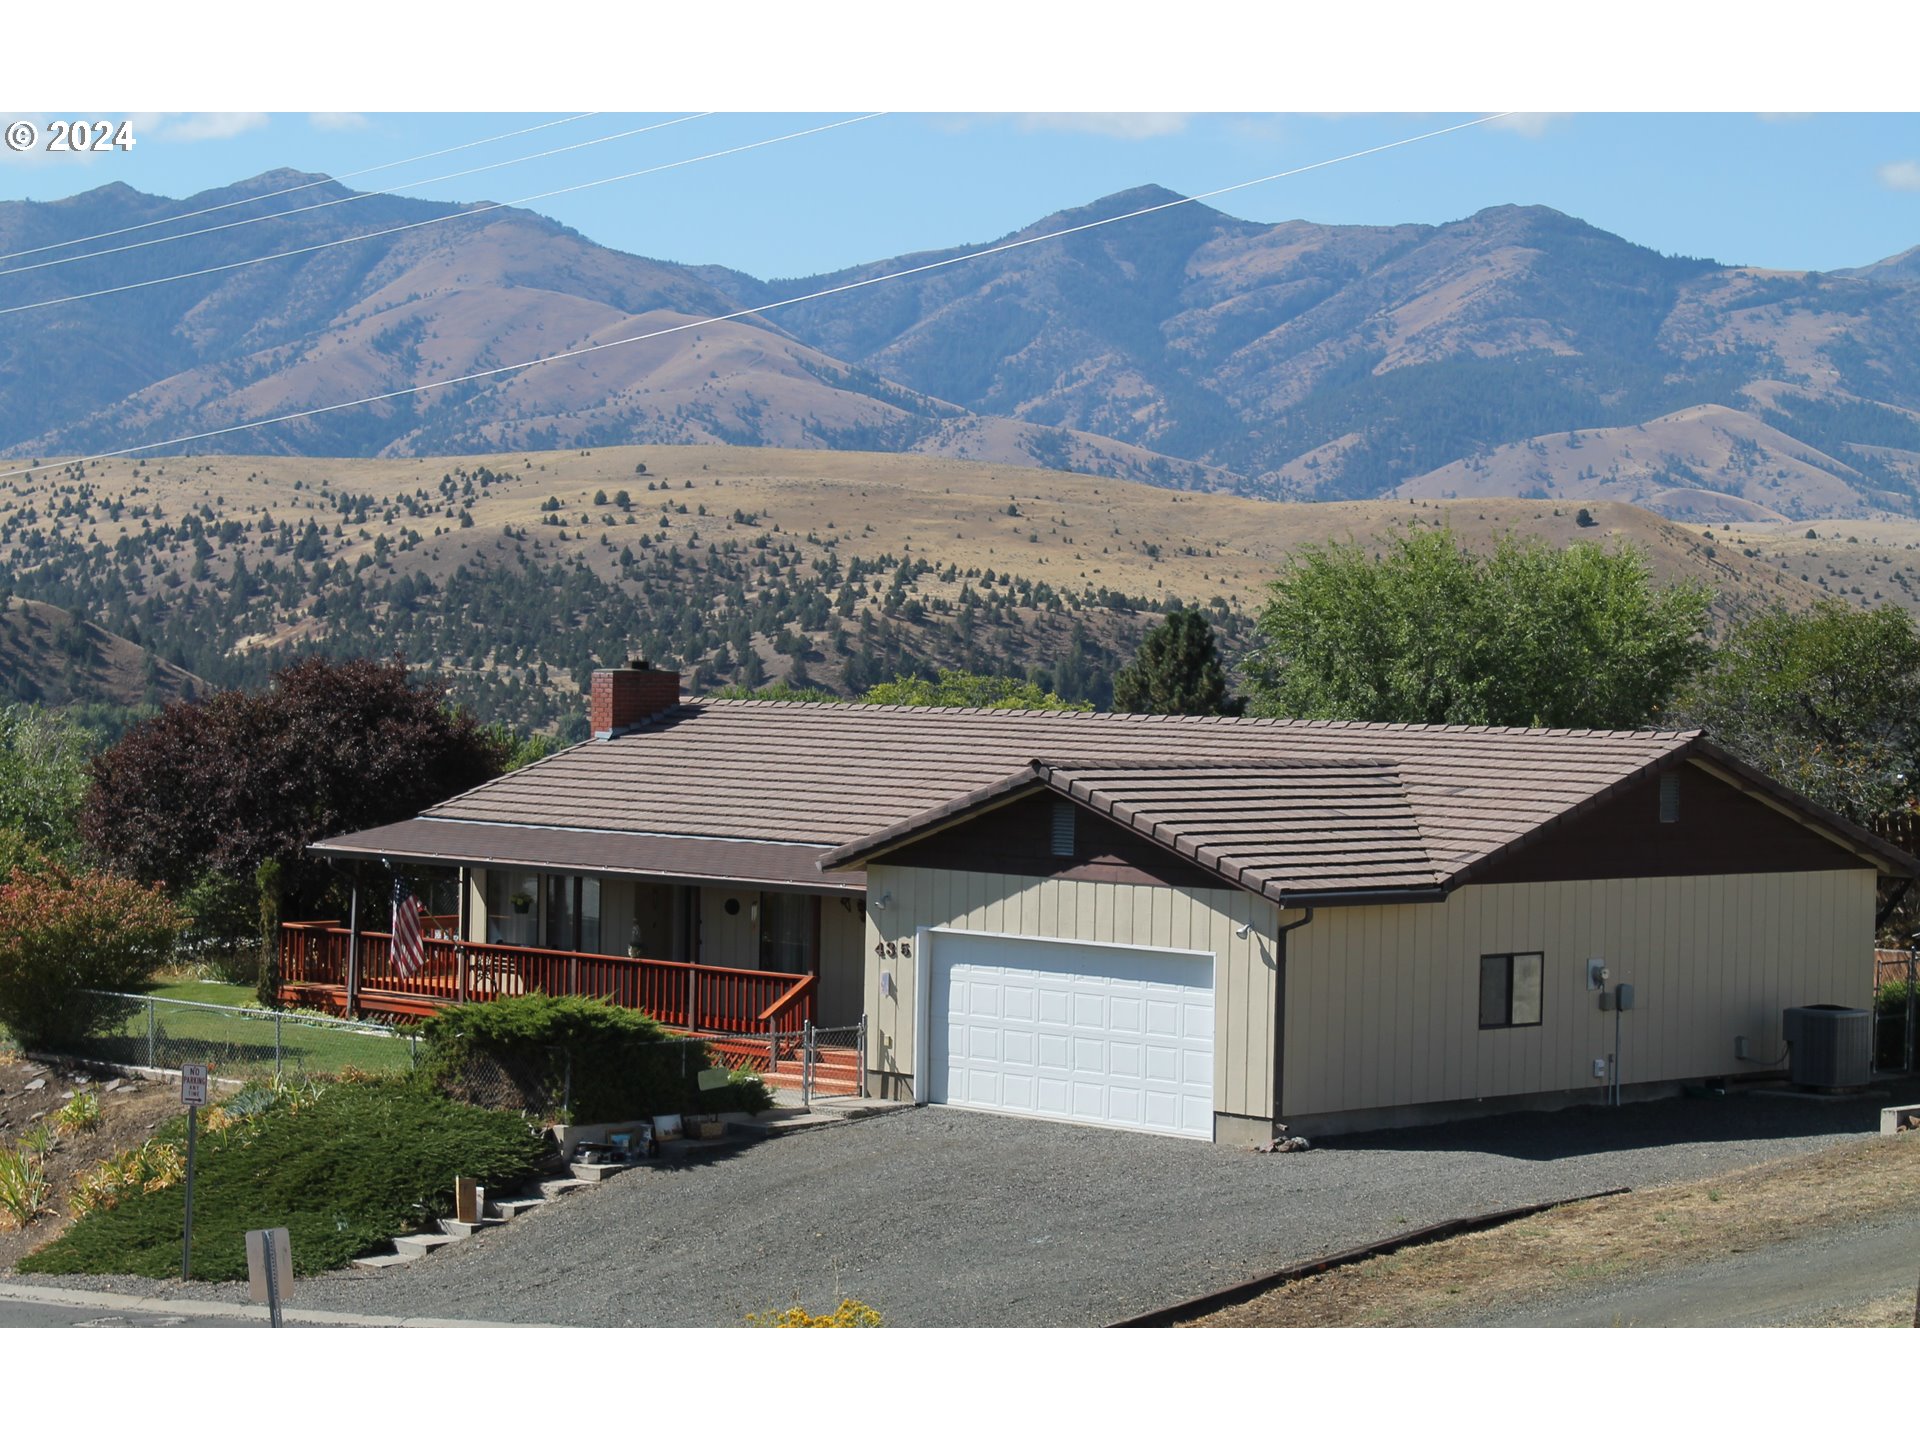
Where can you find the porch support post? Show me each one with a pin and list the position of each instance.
(353, 953)
(460, 981)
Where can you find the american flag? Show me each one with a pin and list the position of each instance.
(409, 952)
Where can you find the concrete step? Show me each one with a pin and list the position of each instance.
(380, 1262)
(592, 1172)
(461, 1229)
(517, 1206)
(414, 1247)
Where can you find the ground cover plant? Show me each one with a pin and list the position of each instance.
(344, 1167)
(593, 1061)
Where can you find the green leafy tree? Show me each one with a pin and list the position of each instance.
(1176, 671)
(1429, 633)
(43, 777)
(1826, 701)
(961, 688)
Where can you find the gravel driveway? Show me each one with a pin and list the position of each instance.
(943, 1217)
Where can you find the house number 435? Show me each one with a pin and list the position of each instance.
(894, 949)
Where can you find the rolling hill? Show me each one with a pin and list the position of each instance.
(49, 656)
(511, 576)
(1507, 352)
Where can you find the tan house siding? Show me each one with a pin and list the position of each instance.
(476, 904)
(729, 940)
(1170, 917)
(1383, 1001)
(843, 939)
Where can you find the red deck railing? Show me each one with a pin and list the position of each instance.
(313, 967)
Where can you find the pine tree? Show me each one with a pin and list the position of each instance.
(1176, 671)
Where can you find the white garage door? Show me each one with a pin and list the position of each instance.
(1100, 1034)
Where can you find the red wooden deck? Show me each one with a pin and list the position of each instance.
(707, 999)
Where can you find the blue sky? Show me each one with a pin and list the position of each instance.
(1816, 191)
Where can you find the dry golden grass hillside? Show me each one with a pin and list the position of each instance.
(1072, 530)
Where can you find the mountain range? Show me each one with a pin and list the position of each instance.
(1518, 351)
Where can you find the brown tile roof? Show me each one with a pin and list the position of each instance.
(595, 852)
(810, 779)
(827, 775)
(1281, 828)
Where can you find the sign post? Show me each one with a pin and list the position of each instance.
(193, 1094)
(269, 1269)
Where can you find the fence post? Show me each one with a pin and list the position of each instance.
(150, 1035)
(860, 1057)
(1911, 1016)
(773, 1047)
(460, 972)
(566, 1097)
(413, 1052)
(806, 1063)
(276, 1045)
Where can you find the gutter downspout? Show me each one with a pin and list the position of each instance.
(1280, 1010)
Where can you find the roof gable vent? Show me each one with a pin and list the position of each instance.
(1063, 827)
(1669, 799)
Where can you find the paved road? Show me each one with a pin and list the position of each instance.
(102, 1303)
(1793, 1284)
(943, 1217)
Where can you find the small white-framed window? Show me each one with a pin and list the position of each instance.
(1510, 989)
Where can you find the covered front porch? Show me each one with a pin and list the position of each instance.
(753, 970)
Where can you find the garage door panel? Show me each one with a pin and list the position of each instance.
(1018, 1002)
(1110, 1035)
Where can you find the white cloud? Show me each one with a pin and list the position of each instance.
(220, 125)
(1115, 126)
(1901, 175)
(337, 120)
(1530, 123)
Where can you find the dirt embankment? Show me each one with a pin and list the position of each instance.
(1576, 1249)
(130, 1111)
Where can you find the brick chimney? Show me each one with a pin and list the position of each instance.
(626, 698)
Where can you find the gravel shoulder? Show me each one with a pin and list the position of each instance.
(1861, 1275)
(944, 1217)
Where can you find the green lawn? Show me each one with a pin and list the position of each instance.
(207, 992)
(243, 1046)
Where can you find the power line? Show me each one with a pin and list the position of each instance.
(432, 220)
(359, 195)
(751, 310)
(295, 189)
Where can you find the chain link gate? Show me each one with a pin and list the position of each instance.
(833, 1060)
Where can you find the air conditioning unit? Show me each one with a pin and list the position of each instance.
(1832, 1046)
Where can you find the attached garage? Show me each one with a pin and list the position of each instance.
(1116, 1035)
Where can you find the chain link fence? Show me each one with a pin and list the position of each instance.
(818, 1060)
(245, 1044)
(1896, 1010)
